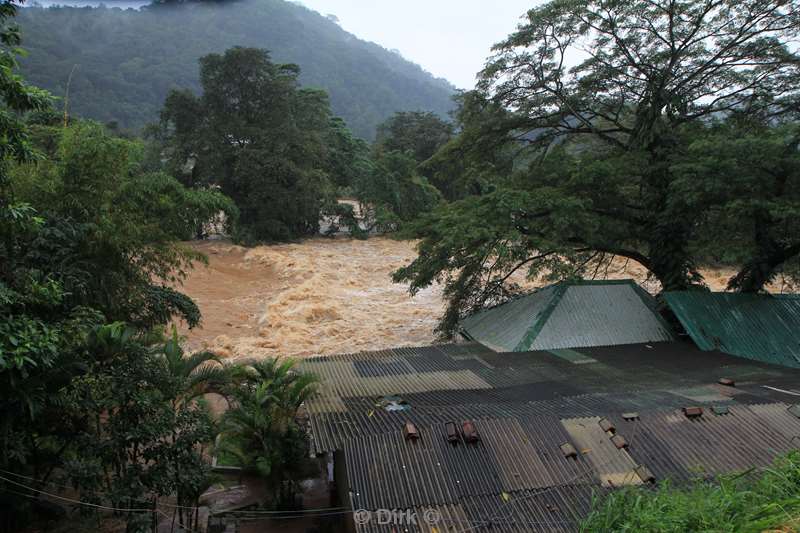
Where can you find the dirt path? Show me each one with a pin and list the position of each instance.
(321, 296)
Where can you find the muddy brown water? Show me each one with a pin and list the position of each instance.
(322, 296)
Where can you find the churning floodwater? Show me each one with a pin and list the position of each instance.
(323, 296)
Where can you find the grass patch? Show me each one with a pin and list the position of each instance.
(752, 501)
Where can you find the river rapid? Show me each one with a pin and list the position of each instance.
(322, 296)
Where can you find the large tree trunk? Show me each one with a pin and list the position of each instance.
(670, 228)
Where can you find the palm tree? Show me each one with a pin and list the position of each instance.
(199, 373)
(260, 429)
(281, 384)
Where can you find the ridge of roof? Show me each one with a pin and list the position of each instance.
(566, 283)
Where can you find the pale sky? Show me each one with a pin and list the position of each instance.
(448, 38)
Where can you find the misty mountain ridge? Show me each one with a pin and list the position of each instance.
(128, 60)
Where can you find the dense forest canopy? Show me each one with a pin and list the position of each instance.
(259, 137)
(94, 396)
(673, 142)
(129, 60)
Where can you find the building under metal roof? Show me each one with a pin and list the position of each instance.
(756, 326)
(570, 315)
(553, 428)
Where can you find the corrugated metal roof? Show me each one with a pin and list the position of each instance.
(679, 448)
(504, 327)
(516, 478)
(525, 406)
(756, 326)
(469, 380)
(570, 315)
(614, 466)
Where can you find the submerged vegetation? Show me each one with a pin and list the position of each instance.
(751, 502)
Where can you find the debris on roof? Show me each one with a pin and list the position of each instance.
(693, 412)
(756, 326)
(609, 460)
(570, 315)
(542, 452)
(410, 431)
(393, 403)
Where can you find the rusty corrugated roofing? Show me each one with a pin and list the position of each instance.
(525, 406)
(613, 466)
(570, 315)
(756, 326)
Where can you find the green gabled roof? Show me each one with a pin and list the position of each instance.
(756, 326)
(570, 315)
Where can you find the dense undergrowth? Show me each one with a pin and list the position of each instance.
(752, 501)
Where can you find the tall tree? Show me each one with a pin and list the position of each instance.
(750, 171)
(603, 100)
(415, 132)
(258, 136)
(349, 159)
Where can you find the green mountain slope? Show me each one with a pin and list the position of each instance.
(128, 60)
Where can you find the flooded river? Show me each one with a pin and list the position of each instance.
(321, 296)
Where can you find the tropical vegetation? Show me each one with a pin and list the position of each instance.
(748, 502)
(662, 133)
(94, 398)
(121, 64)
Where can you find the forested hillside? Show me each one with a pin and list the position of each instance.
(129, 60)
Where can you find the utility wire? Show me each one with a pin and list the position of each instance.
(170, 505)
(76, 502)
(300, 513)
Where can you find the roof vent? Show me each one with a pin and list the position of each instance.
(795, 410)
(569, 450)
(452, 432)
(645, 474)
(410, 431)
(630, 416)
(607, 425)
(693, 412)
(619, 441)
(728, 382)
(469, 431)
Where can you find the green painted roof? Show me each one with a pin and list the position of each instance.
(570, 315)
(756, 326)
